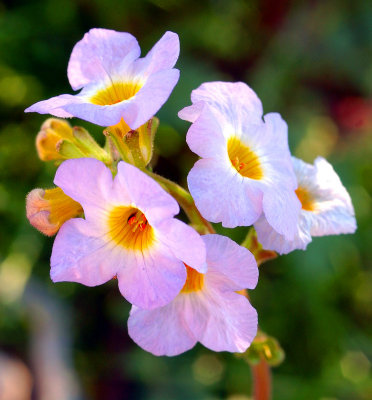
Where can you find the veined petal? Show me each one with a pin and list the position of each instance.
(232, 323)
(232, 102)
(150, 97)
(89, 182)
(191, 113)
(79, 255)
(230, 261)
(55, 105)
(98, 55)
(200, 139)
(145, 193)
(282, 210)
(161, 331)
(186, 244)
(222, 195)
(151, 279)
(163, 55)
(271, 239)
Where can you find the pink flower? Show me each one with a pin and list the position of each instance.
(207, 310)
(116, 83)
(326, 208)
(128, 232)
(246, 167)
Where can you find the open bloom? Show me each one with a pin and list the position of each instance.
(207, 310)
(326, 208)
(128, 232)
(116, 83)
(47, 210)
(246, 167)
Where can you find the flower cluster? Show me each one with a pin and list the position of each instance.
(114, 218)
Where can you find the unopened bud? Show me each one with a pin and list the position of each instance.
(58, 141)
(47, 210)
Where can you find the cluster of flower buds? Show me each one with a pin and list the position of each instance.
(115, 218)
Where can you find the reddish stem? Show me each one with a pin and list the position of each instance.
(261, 381)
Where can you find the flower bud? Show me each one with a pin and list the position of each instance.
(47, 210)
(58, 141)
(52, 131)
(135, 146)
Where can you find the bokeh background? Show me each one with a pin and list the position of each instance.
(309, 60)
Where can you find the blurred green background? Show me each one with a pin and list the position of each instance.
(309, 60)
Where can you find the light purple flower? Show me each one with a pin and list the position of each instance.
(207, 310)
(116, 83)
(326, 208)
(246, 167)
(128, 232)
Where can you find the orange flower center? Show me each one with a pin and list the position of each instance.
(116, 93)
(129, 228)
(194, 281)
(243, 159)
(306, 199)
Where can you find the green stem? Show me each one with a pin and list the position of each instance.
(186, 201)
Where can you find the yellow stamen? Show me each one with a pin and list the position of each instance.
(116, 93)
(194, 281)
(243, 159)
(306, 199)
(61, 206)
(129, 228)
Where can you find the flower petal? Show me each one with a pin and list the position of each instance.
(145, 193)
(185, 243)
(231, 262)
(78, 255)
(149, 99)
(272, 240)
(163, 55)
(232, 323)
(151, 279)
(87, 181)
(205, 137)
(161, 331)
(98, 55)
(222, 195)
(232, 103)
(55, 105)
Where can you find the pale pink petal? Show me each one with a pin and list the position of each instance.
(99, 54)
(162, 331)
(55, 105)
(232, 323)
(163, 55)
(231, 102)
(150, 98)
(205, 137)
(145, 193)
(184, 242)
(191, 113)
(221, 194)
(152, 278)
(282, 210)
(231, 262)
(272, 240)
(89, 182)
(79, 255)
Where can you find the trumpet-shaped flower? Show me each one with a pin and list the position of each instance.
(128, 232)
(246, 167)
(326, 208)
(47, 210)
(207, 310)
(117, 84)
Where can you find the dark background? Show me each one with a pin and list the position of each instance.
(309, 60)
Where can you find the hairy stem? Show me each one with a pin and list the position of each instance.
(261, 381)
